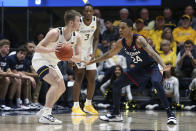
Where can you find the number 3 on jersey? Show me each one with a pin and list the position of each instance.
(87, 36)
(136, 59)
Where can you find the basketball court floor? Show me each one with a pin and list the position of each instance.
(133, 121)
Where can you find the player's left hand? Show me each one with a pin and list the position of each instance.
(167, 68)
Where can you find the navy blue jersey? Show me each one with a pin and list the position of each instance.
(28, 60)
(14, 64)
(138, 56)
(3, 64)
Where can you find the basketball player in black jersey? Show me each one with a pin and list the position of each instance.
(145, 68)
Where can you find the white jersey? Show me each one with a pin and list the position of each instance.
(87, 33)
(171, 86)
(51, 57)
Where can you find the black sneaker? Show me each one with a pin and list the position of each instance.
(111, 118)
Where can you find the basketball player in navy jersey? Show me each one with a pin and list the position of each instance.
(145, 68)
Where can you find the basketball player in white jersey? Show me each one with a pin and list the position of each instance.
(89, 30)
(45, 61)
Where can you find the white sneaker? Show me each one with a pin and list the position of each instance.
(40, 113)
(49, 119)
(5, 108)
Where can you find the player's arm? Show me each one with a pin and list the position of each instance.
(32, 72)
(142, 43)
(118, 46)
(77, 57)
(51, 36)
(96, 37)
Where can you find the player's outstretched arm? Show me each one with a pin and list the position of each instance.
(141, 41)
(108, 54)
(77, 57)
(51, 36)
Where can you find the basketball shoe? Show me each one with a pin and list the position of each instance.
(49, 119)
(77, 111)
(90, 109)
(111, 118)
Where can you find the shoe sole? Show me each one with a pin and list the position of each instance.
(49, 123)
(77, 114)
(90, 112)
(108, 120)
(171, 122)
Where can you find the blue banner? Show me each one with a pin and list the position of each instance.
(76, 3)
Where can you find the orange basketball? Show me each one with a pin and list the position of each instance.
(64, 53)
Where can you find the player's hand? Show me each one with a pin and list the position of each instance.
(92, 56)
(59, 46)
(32, 82)
(75, 59)
(167, 68)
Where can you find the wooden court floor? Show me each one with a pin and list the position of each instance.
(133, 121)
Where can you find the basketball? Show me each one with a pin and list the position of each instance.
(64, 53)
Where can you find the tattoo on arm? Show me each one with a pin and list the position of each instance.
(143, 43)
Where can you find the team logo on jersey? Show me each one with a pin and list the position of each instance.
(92, 27)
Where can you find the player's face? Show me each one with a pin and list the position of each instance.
(117, 71)
(21, 55)
(76, 23)
(5, 49)
(124, 30)
(88, 12)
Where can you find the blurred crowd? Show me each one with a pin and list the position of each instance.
(173, 39)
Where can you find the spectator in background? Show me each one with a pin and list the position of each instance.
(167, 55)
(111, 34)
(171, 84)
(171, 88)
(189, 11)
(124, 14)
(184, 32)
(140, 28)
(106, 88)
(38, 37)
(34, 95)
(115, 60)
(186, 61)
(6, 77)
(156, 33)
(169, 21)
(18, 65)
(97, 13)
(149, 24)
(167, 34)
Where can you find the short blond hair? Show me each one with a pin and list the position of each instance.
(70, 15)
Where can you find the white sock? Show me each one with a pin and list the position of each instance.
(47, 110)
(18, 100)
(76, 104)
(26, 101)
(88, 102)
